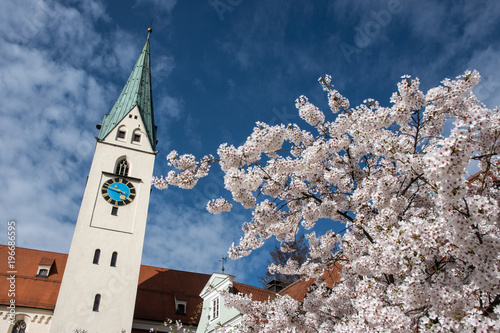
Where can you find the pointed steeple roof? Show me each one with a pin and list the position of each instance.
(137, 92)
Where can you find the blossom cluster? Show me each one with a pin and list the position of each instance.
(421, 246)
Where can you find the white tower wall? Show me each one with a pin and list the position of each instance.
(97, 228)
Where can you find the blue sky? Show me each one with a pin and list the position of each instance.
(218, 67)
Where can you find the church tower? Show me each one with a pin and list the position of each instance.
(99, 286)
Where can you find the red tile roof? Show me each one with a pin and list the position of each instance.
(157, 290)
(299, 289)
(258, 294)
(31, 291)
(46, 261)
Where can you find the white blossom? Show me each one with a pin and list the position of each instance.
(421, 246)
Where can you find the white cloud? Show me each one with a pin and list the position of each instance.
(183, 236)
(170, 106)
(487, 62)
(49, 105)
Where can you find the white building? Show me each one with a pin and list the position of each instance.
(215, 314)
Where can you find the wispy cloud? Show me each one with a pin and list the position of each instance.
(49, 103)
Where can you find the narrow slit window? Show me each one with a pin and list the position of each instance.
(97, 254)
(114, 256)
(114, 211)
(215, 308)
(122, 168)
(97, 301)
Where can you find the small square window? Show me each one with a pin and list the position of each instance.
(43, 273)
(130, 116)
(121, 134)
(114, 211)
(181, 309)
(137, 137)
(135, 117)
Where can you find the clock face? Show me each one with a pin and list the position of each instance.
(118, 191)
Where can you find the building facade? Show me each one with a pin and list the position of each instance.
(99, 285)
(161, 294)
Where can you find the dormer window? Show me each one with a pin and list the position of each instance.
(43, 273)
(44, 267)
(122, 167)
(180, 307)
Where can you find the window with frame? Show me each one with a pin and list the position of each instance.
(43, 273)
(181, 309)
(97, 302)
(122, 167)
(136, 137)
(121, 133)
(215, 308)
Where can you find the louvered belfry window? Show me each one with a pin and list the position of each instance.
(122, 168)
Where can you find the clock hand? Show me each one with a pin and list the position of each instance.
(116, 189)
(123, 196)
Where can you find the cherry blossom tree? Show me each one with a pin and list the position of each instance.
(295, 250)
(420, 250)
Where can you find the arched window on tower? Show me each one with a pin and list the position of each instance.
(97, 301)
(122, 167)
(97, 254)
(121, 133)
(136, 136)
(114, 256)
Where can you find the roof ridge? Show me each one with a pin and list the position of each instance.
(253, 287)
(28, 249)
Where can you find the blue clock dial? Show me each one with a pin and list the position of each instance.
(118, 191)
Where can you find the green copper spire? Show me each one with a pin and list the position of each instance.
(137, 91)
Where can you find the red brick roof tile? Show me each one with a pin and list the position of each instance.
(299, 289)
(46, 261)
(157, 290)
(258, 294)
(31, 291)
